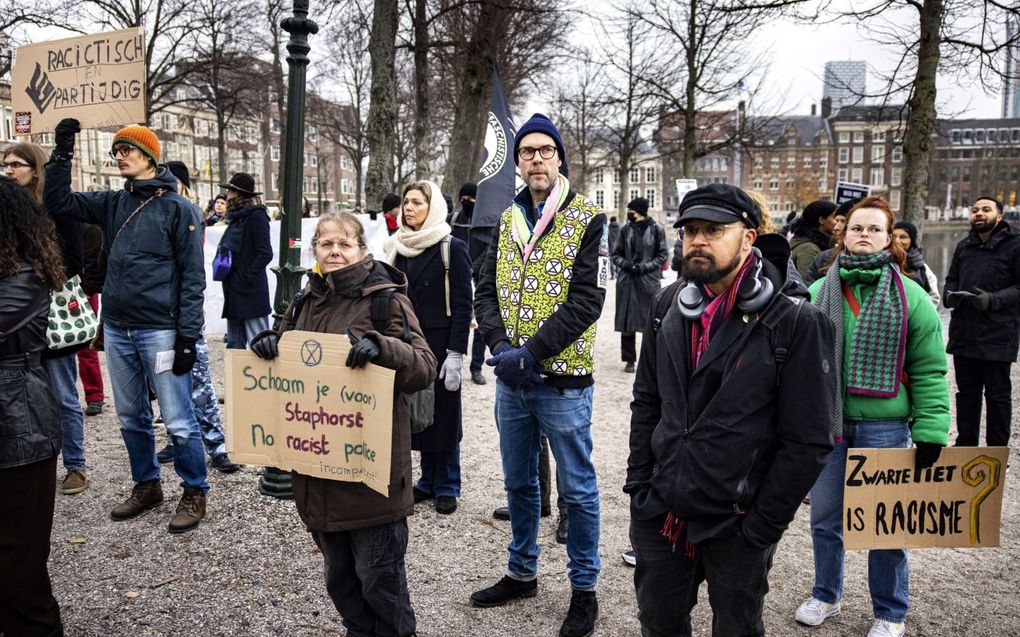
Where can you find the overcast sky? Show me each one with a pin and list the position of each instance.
(799, 52)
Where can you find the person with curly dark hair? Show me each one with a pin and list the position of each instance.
(24, 164)
(30, 266)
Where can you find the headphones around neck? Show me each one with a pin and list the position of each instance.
(754, 293)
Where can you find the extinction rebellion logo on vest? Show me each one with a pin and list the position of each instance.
(496, 148)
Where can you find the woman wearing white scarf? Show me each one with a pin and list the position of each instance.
(441, 294)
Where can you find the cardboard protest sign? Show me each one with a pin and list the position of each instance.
(954, 503)
(845, 191)
(98, 79)
(308, 412)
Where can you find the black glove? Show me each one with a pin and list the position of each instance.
(926, 454)
(265, 345)
(981, 300)
(952, 299)
(634, 268)
(63, 138)
(364, 349)
(915, 259)
(184, 355)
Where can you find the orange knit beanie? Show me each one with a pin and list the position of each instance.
(141, 138)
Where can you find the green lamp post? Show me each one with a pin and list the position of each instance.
(289, 272)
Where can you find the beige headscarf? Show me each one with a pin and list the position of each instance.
(411, 243)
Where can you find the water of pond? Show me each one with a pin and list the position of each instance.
(938, 250)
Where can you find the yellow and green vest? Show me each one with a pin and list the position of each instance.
(529, 293)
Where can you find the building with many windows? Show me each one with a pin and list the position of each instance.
(644, 180)
(972, 158)
(844, 82)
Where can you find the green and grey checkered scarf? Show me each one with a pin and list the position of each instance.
(878, 345)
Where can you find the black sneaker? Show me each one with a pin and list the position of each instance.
(561, 530)
(629, 367)
(421, 496)
(584, 610)
(501, 513)
(223, 464)
(166, 454)
(503, 591)
(477, 378)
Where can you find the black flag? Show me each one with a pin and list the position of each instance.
(497, 178)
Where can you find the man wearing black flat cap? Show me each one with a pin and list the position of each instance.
(639, 255)
(720, 388)
(246, 240)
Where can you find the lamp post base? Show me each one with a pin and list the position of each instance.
(276, 483)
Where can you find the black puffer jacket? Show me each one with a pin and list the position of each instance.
(732, 443)
(29, 424)
(993, 266)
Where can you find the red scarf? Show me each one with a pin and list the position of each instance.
(675, 527)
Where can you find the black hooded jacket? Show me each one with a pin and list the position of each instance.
(738, 441)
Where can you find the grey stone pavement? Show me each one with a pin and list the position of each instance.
(251, 568)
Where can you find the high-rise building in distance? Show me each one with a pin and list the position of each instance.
(845, 82)
(1011, 82)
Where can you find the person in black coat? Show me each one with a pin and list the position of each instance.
(246, 287)
(638, 256)
(614, 240)
(442, 302)
(736, 445)
(30, 268)
(983, 291)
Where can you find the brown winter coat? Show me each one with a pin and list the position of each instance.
(341, 300)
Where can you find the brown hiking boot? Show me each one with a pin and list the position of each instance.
(74, 482)
(190, 511)
(144, 496)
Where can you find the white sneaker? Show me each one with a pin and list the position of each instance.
(882, 628)
(630, 558)
(814, 611)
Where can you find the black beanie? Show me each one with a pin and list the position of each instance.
(845, 207)
(817, 210)
(469, 189)
(389, 202)
(180, 171)
(911, 231)
(639, 205)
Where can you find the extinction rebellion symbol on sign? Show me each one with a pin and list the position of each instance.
(311, 353)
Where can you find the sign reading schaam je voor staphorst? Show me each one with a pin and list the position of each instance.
(306, 411)
(97, 79)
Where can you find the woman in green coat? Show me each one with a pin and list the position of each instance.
(894, 392)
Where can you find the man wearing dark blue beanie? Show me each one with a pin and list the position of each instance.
(540, 291)
(539, 123)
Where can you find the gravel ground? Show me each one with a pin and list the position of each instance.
(251, 569)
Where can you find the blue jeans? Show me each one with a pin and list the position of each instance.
(131, 358)
(241, 331)
(564, 416)
(888, 576)
(63, 373)
(440, 473)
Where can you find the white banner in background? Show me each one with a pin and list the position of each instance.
(375, 234)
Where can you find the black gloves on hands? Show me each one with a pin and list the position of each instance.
(63, 138)
(364, 349)
(184, 355)
(926, 454)
(981, 300)
(265, 345)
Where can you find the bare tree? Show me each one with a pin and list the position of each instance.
(932, 38)
(521, 38)
(382, 114)
(346, 70)
(168, 25)
(227, 78)
(579, 109)
(630, 106)
(16, 16)
(713, 65)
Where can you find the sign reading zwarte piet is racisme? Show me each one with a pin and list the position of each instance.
(97, 79)
(306, 411)
(954, 503)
